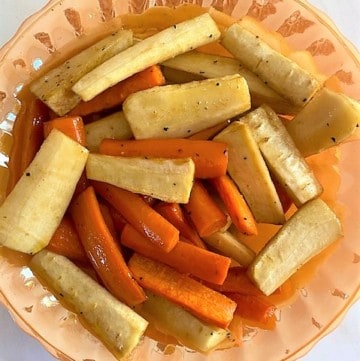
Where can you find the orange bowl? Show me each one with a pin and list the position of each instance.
(326, 295)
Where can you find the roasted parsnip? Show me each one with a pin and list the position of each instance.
(327, 120)
(248, 169)
(312, 228)
(114, 323)
(169, 180)
(213, 66)
(279, 72)
(33, 210)
(164, 45)
(54, 87)
(113, 126)
(179, 110)
(282, 156)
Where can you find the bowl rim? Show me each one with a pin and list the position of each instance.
(352, 51)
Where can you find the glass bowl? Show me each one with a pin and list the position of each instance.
(323, 295)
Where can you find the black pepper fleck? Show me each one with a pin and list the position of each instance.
(305, 100)
(166, 129)
(333, 139)
(28, 174)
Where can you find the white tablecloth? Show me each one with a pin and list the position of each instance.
(342, 344)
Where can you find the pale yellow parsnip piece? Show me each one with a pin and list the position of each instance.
(170, 180)
(164, 45)
(54, 87)
(213, 66)
(282, 157)
(310, 230)
(113, 126)
(248, 169)
(180, 110)
(173, 320)
(114, 323)
(33, 210)
(279, 72)
(327, 120)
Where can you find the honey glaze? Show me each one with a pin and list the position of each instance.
(27, 137)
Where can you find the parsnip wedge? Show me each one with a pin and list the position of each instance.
(164, 45)
(247, 168)
(114, 323)
(214, 66)
(282, 156)
(327, 120)
(113, 126)
(173, 320)
(312, 228)
(179, 110)
(280, 73)
(33, 210)
(54, 87)
(228, 245)
(169, 180)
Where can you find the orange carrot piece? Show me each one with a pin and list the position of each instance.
(66, 242)
(255, 308)
(184, 257)
(205, 214)
(175, 215)
(105, 212)
(118, 220)
(28, 134)
(140, 215)
(205, 303)
(116, 95)
(102, 250)
(71, 126)
(237, 281)
(235, 205)
(210, 157)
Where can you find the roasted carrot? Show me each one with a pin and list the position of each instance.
(66, 241)
(203, 302)
(28, 134)
(210, 157)
(204, 212)
(140, 215)
(256, 309)
(102, 250)
(116, 95)
(235, 205)
(71, 126)
(237, 281)
(105, 212)
(118, 220)
(184, 257)
(175, 215)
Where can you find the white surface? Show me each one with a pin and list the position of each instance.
(342, 344)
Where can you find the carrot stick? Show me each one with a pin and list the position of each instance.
(204, 212)
(66, 241)
(255, 308)
(116, 95)
(205, 303)
(102, 249)
(175, 215)
(235, 204)
(28, 134)
(140, 215)
(105, 212)
(237, 281)
(184, 257)
(210, 157)
(71, 126)
(118, 220)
